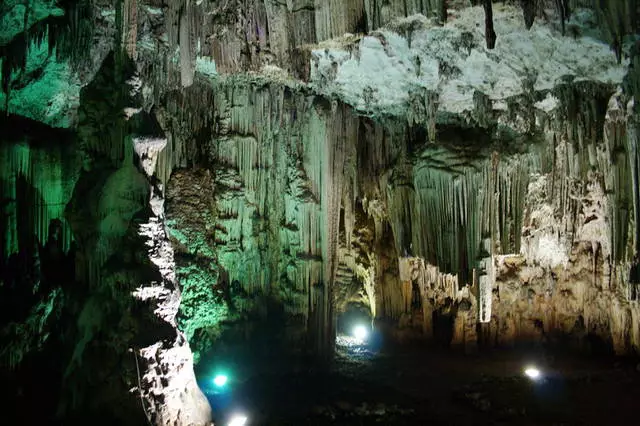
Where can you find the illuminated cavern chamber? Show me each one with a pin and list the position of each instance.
(467, 195)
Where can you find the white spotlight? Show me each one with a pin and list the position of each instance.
(532, 372)
(360, 332)
(238, 420)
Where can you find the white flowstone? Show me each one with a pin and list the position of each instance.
(379, 72)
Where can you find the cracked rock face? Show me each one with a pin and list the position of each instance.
(257, 168)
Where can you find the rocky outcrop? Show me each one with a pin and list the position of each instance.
(168, 389)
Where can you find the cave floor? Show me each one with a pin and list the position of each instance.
(420, 386)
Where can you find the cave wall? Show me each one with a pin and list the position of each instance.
(87, 306)
(271, 163)
(539, 219)
(471, 182)
(555, 270)
(245, 170)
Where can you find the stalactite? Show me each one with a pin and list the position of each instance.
(68, 35)
(618, 176)
(185, 33)
(617, 19)
(489, 33)
(529, 11)
(333, 18)
(634, 163)
(562, 8)
(130, 28)
(380, 13)
(277, 22)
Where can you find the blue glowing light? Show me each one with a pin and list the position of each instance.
(220, 380)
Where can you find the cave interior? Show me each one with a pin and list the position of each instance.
(349, 212)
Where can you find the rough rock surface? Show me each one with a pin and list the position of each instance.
(314, 154)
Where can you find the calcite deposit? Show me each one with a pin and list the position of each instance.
(219, 171)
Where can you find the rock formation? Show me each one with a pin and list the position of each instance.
(467, 171)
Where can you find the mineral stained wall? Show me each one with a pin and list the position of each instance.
(224, 170)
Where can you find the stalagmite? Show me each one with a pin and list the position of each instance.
(485, 284)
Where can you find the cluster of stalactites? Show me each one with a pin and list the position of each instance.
(617, 20)
(245, 37)
(444, 216)
(433, 285)
(186, 21)
(39, 182)
(596, 146)
(276, 161)
(68, 35)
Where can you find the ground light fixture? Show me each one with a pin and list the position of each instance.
(238, 420)
(532, 372)
(220, 380)
(360, 332)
